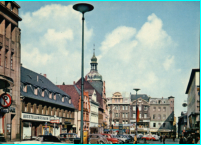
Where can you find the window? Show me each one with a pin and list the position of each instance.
(43, 111)
(139, 100)
(55, 96)
(140, 115)
(154, 109)
(134, 108)
(134, 115)
(164, 116)
(116, 114)
(126, 121)
(145, 115)
(154, 116)
(126, 115)
(145, 108)
(139, 108)
(43, 93)
(69, 101)
(63, 114)
(126, 107)
(163, 124)
(159, 102)
(164, 109)
(36, 91)
(62, 99)
(24, 88)
(123, 121)
(122, 115)
(115, 100)
(159, 108)
(32, 109)
(46, 111)
(159, 116)
(37, 110)
(154, 124)
(26, 108)
(11, 61)
(5, 61)
(52, 113)
(50, 95)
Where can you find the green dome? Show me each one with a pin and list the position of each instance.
(94, 58)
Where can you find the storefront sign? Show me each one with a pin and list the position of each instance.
(27, 116)
(4, 110)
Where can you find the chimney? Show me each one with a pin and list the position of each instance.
(44, 75)
(73, 82)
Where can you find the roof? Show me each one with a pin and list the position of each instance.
(143, 96)
(38, 80)
(73, 92)
(29, 78)
(98, 85)
(191, 78)
(88, 86)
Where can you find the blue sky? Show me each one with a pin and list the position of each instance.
(148, 45)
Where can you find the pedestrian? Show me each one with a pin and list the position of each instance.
(135, 140)
(50, 133)
(181, 140)
(164, 139)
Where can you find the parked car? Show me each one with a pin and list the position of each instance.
(42, 139)
(123, 138)
(120, 140)
(131, 139)
(97, 139)
(139, 136)
(111, 139)
(156, 137)
(69, 138)
(148, 137)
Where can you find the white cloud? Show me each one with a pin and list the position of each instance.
(54, 47)
(168, 62)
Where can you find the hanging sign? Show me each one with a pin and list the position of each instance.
(5, 100)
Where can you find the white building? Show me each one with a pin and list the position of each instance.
(193, 101)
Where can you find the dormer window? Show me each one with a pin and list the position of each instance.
(50, 95)
(24, 88)
(55, 97)
(43, 93)
(69, 101)
(62, 99)
(36, 91)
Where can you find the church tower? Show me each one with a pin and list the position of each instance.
(93, 74)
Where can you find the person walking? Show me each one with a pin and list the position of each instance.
(181, 140)
(160, 138)
(135, 140)
(164, 139)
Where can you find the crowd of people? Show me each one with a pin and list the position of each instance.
(189, 140)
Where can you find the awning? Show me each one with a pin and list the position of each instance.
(5, 82)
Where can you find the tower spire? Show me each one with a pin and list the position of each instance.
(94, 50)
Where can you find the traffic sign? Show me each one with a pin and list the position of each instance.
(54, 121)
(5, 100)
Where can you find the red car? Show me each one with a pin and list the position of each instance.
(148, 137)
(110, 138)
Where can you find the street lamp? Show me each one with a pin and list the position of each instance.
(136, 89)
(83, 8)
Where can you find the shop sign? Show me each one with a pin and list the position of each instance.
(4, 110)
(54, 121)
(27, 116)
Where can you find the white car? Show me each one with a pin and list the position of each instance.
(156, 137)
(42, 139)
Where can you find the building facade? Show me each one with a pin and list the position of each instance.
(143, 105)
(193, 101)
(10, 68)
(42, 102)
(162, 116)
(119, 110)
(182, 123)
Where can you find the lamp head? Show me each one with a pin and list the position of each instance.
(136, 89)
(83, 7)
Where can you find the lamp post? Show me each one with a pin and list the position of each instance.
(83, 8)
(136, 89)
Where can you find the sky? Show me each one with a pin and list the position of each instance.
(148, 45)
